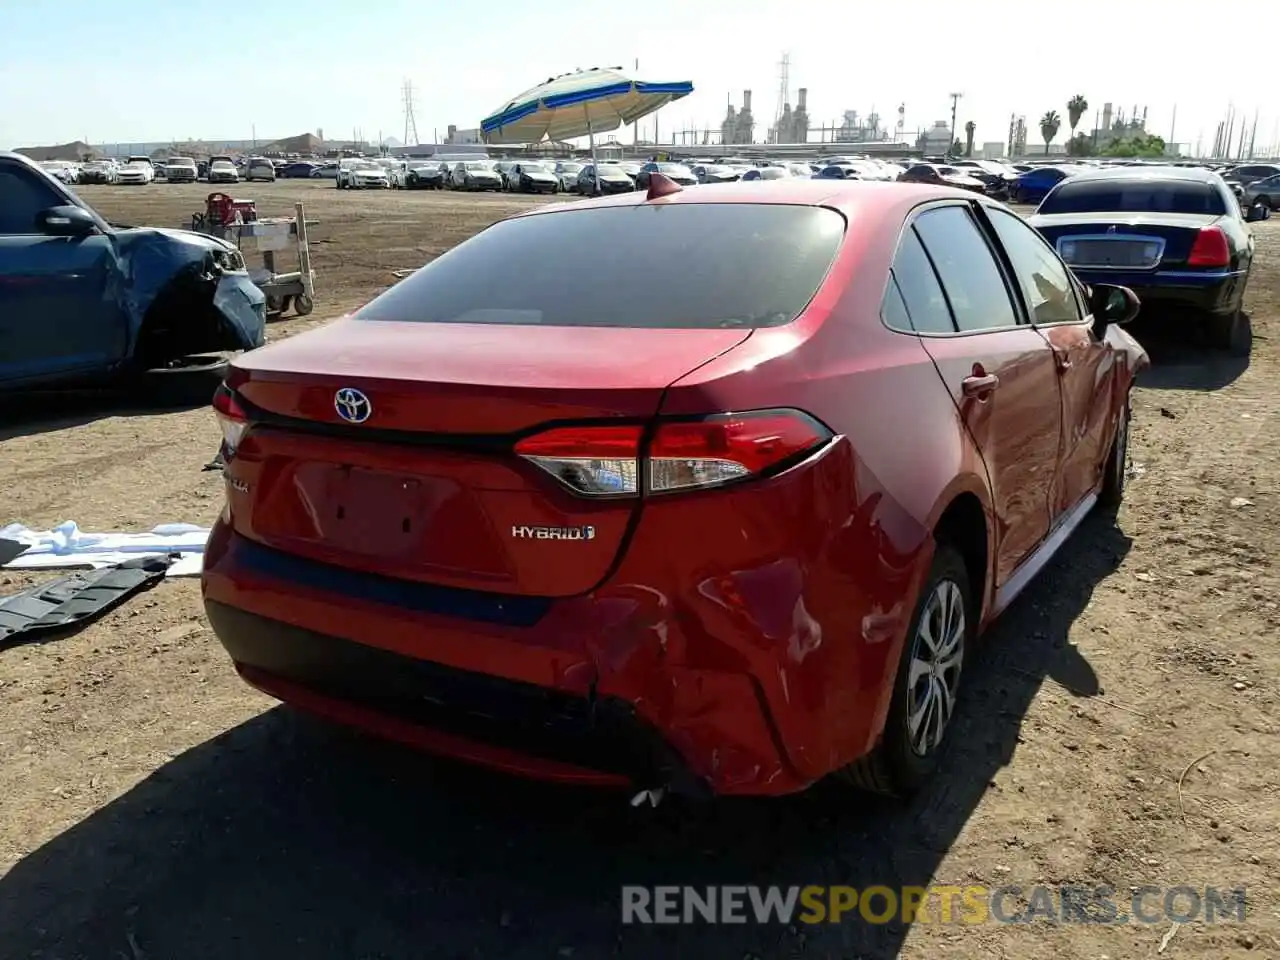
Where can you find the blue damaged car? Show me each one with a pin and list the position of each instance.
(87, 303)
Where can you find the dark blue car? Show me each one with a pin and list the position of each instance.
(1175, 236)
(1031, 187)
(84, 302)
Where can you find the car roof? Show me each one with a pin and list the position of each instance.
(1192, 174)
(847, 196)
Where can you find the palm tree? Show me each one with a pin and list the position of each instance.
(1049, 125)
(1076, 108)
(969, 128)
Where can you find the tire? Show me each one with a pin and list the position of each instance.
(896, 767)
(1117, 467)
(1265, 202)
(187, 382)
(303, 305)
(1229, 332)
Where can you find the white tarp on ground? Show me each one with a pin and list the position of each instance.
(67, 546)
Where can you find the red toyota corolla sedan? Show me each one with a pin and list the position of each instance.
(715, 500)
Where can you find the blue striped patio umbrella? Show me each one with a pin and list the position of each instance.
(579, 104)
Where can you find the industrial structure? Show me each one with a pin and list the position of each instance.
(738, 126)
(854, 129)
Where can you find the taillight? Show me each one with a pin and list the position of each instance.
(231, 418)
(594, 461)
(1210, 249)
(607, 461)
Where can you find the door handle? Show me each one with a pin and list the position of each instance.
(1064, 362)
(979, 386)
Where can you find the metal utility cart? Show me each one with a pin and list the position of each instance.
(237, 220)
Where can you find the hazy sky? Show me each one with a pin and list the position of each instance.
(124, 71)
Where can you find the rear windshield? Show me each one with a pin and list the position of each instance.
(660, 266)
(1141, 196)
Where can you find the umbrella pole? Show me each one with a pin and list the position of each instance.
(591, 144)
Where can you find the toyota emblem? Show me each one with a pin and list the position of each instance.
(352, 405)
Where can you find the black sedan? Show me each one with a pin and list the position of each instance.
(530, 176)
(672, 171)
(299, 170)
(1175, 236)
(612, 179)
(420, 175)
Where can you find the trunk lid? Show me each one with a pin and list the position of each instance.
(1176, 230)
(427, 488)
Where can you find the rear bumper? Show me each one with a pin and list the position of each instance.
(1211, 291)
(514, 727)
(755, 666)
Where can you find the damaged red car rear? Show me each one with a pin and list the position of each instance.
(716, 499)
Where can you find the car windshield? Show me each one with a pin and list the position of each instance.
(570, 167)
(611, 170)
(774, 173)
(1137, 195)
(424, 166)
(663, 266)
(675, 170)
(533, 168)
(477, 165)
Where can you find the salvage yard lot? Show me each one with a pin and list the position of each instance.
(1121, 725)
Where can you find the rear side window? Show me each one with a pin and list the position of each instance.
(661, 266)
(921, 295)
(975, 287)
(1137, 195)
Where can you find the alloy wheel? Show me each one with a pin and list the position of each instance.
(933, 677)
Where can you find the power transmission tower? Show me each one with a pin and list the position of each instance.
(784, 94)
(410, 123)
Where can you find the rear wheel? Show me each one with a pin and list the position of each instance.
(926, 685)
(1117, 467)
(1230, 332)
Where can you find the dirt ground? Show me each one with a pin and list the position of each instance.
(1120, 727)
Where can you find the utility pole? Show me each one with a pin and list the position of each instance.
(955, 99)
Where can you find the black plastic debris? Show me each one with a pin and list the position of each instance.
(10, 549)
(75, 599)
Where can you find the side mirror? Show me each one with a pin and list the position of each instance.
(1259, 211)
(1113, 304)
(68, 221)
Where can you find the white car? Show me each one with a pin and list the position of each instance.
(180, 170)
(222, 170)
(259, 168)
(362, 174)
(64, 170)
(137, 170)
(474, 175)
